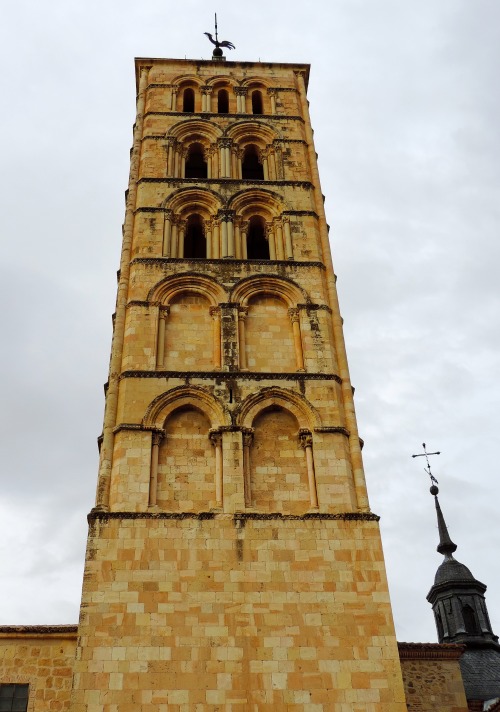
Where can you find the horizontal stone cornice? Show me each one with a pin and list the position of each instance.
(231, 375)
(215, 115)
(225, 261)
(430, 651)
(100, 515)
(39, 631)
(307, 185)
(147, 305)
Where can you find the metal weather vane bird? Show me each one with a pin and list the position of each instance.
(218, 45)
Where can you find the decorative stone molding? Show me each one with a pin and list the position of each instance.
(259, 516)
(249, 375)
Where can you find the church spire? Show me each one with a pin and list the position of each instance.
(446, 546)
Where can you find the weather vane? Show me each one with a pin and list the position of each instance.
(218, 51)
(427, 469)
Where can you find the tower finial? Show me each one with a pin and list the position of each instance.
(217, 53)
(446, 546)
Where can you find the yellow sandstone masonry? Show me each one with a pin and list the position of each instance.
(233, 562)
(42, 657)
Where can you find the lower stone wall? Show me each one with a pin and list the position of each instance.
(432, 677)
(42, 657)
(234, 612)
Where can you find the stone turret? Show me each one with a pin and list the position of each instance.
(461, 616)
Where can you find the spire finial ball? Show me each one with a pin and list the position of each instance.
(434, 490)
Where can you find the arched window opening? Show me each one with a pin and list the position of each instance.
(257, 245)
(257, 106)
(186, 463)
(223, 101)
(188, 100)
(278, 472)
(251, 167)
(196, 166)
(195, 243)
(470, 620)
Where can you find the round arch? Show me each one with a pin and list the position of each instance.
(306, 415)
(186, 80)
(247, 132)
(278, 286)
(195, 130)
(181, 397)
(170, 287)
(257, 202)
(192, 200)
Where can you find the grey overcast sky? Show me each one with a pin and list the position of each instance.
(405, 105)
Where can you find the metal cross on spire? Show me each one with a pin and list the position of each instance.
(427, 469)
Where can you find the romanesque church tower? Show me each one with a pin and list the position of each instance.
(233, 562)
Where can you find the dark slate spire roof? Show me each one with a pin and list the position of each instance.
(461, 616)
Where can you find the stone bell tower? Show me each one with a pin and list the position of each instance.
(232, 561)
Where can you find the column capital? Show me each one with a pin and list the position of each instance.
(158, 436)
(226, 215)
(248, 434)
(305, 438)
(164, 311)
(241, 91)
(294, 314)
(214, 312)
(215, 437)
(242, 312)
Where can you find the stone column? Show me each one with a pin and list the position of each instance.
(243, 235)
(181, 231)
(272, 164)
(170, 157)
(234, 162)
(173, 237)
(156, 439)
(215, 314)
(160, 351)
(265, 166)
(288, 238)
(297, 340)
(242, 315)
(216, 439)
(271, 240)
(223, 227)
(209, 99)
(272, 94)
(207, 153)
(177, 160)
(247, 483)
(241, 93)
(237, 239)
(208, 237)
(305, 437)
(167, 230)
(278, 231)
(204, 99)
(230, 234)
(239, 164)
(216, 238)
(173, 103)
(184, 155)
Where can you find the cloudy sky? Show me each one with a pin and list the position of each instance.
(405, 105)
